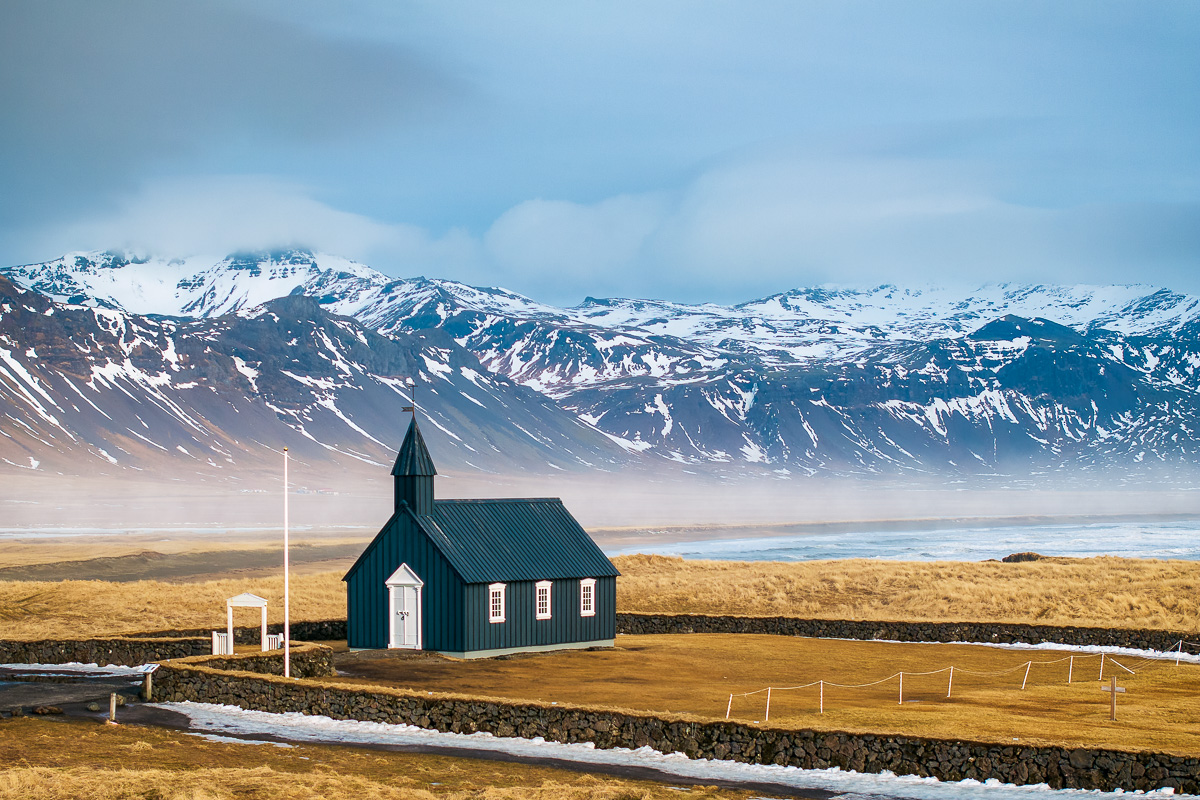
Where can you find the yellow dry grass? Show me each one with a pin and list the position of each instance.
(57, 760)
(692, 676)
(1105, 592)
(77, 609)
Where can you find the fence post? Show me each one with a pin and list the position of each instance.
(822, 697)
(1028, 664)
(729, 707)
(112, 708)
(1102, 666)
(148, 686)
(901, 688)
(1070, 668)
(767, 716)
(950, 686)
(1179, 652)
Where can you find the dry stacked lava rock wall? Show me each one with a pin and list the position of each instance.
(197, 680)
(984, 632)
(118, 652)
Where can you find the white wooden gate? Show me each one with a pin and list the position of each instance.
(404, 609)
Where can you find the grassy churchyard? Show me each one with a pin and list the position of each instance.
(693, 676)
(1101, 592)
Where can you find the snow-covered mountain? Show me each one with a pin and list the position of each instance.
(98, 390)
(1005, 378)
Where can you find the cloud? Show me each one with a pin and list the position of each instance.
(621, 149)
(746, 227)
(562, 246)
(224, 214)
(100, 97)
(771, 221)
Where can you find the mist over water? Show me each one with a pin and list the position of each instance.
(1173, 540)
(699, 518)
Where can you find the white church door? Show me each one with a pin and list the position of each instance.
(404, 606)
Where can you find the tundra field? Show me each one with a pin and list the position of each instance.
(1160, 710)
(1101, 592)
(67, 759)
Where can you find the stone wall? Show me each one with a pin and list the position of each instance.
(987, 632)
(121, 651)
(309, 631)
(630, 623)
(308, 661)
(947, 760)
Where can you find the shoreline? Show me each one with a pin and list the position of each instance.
(624, 537)
(123, 556)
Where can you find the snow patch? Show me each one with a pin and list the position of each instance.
(296, 727)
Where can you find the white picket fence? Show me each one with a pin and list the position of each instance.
(222, 644)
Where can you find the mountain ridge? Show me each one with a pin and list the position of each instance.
(887, 380)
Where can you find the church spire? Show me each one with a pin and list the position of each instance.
(414, 471)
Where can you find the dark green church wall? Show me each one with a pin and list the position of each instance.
(367, 593)
(521, 628)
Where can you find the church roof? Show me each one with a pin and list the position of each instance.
(489, 541)
(413, 458)
(513, 540)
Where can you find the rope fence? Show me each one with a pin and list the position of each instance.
(1140, 662)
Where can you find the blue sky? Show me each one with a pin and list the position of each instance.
(684, 150)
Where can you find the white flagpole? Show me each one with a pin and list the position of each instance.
(287, 628)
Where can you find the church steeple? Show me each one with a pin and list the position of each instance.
(414, 472)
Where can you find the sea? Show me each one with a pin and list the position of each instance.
(1175, 539)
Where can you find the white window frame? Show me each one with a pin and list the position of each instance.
(496, 590)
(542, 586)
(587, 597)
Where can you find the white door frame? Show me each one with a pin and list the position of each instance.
(404, 577)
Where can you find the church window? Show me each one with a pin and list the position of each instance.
(542, 611)
(496, 602)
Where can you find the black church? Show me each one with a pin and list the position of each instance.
(477, 578)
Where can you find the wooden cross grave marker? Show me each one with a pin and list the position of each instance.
(1112, 689)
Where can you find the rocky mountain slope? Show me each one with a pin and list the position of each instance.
(1006, 379)
(96, 390)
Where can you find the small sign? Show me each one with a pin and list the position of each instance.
(1113, 691)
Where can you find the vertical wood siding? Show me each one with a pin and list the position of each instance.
(441, 598)
(454, 615)
(520, 627)
(417, 491)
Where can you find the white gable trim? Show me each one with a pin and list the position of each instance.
(404, 576)
(247, 600)
(403, 579)
(244, 600)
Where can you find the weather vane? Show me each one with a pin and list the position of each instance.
(412, 387)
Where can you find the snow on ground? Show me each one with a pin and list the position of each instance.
(218, 719)
(76, 668)
(216, 737)
(1183, 656)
